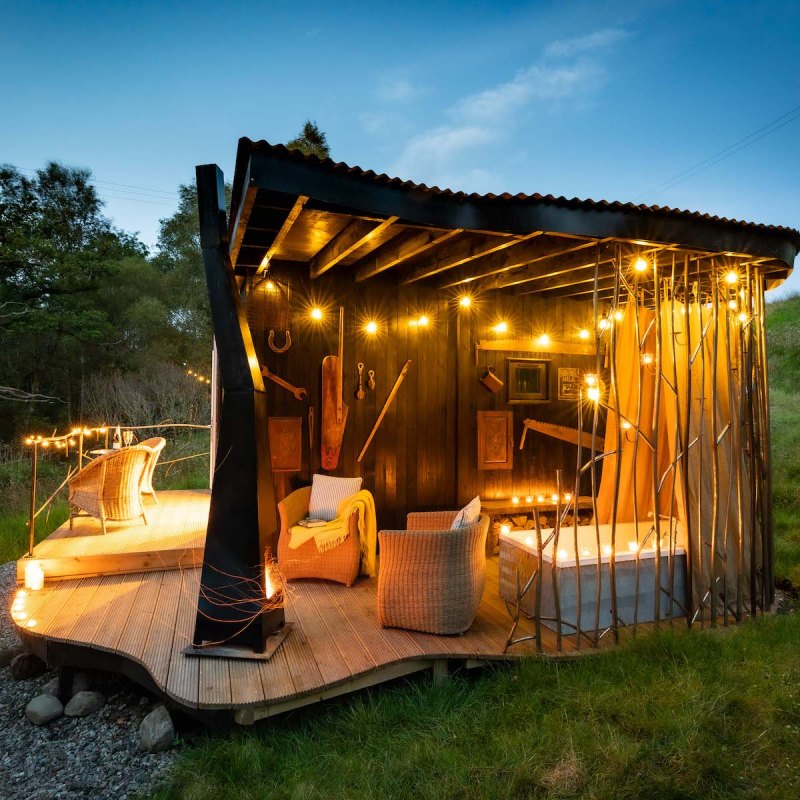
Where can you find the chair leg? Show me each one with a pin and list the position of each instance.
(144, 517)
(103, 525)
(155, 499)
(71, 519)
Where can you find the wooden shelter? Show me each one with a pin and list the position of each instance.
(596, 372)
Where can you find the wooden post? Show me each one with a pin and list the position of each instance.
(32, 517)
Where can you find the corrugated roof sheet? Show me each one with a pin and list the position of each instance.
(246, 146)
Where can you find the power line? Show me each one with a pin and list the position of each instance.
(765, 130)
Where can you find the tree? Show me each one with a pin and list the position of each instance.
(311, 141)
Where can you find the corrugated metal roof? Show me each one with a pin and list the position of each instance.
(247, 146)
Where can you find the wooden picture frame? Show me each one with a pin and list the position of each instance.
(528, 380)
(286, 443)
(495, 440)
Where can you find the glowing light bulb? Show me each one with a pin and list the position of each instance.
(732, 277)
(586, 552)
(590, 379)
(602, 324)
(625, 425)
(501, 327)
(540, 498)
(593, 393)
(529, 541)
(742, 317)
(543, 340)
(640, 265)
(732, 305)
(529, 499)
(567, 497)
(34, 576)
(371, 327)
(422, 321)
(515, 500)
(606, 549)
(647, 358)
(561, 554)
(270, 286)
(618, 315)
(316, 313)
(584, 334)
(554, 498)
(465, 301)
(633, 546)
(505, 530)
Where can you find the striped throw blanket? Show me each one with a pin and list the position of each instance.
(333, 533)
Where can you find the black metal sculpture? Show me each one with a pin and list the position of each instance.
(233, 605)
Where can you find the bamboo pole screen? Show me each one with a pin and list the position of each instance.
(684, 461)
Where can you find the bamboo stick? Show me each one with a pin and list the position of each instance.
(714, 446)
(655, 428)
(593, 457)
(618, 459)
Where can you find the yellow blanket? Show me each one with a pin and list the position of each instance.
(336, 531)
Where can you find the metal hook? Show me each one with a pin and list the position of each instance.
(271, 342)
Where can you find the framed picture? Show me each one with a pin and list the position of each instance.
(569, 383)
(528, 380)
(495, 440)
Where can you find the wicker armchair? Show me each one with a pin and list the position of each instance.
(155, 446)
(431, 578)
(340, 563)
(108, 487)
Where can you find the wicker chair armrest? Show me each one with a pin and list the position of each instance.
(90, 474)
(430, 520)
(294, 507)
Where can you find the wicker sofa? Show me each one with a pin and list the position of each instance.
(340, 563)
(431, 578)
(109, 487)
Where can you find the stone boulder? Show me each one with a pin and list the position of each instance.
(8, 652)
(43, 708)
(157, 732)
(84, 703)
(26, 666)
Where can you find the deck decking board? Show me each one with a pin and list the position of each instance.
(336, 644)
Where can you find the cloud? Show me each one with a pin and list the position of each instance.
(373, 121)
(395, 90)
(538, 82)
(566, 48)
(425, 155)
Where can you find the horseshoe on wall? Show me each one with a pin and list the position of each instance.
(271, 342)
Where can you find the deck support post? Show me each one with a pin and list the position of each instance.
(441, 672)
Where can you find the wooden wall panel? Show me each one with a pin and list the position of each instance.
(424, 455)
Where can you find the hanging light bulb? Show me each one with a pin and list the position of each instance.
(371, 327)
(465, 301)
(501, 327)
(640, 265)
(316, 313)
(584, 334)
(731, 277)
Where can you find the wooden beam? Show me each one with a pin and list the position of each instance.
(395, 253)
(242, 217)
(291, 218)
(348, 240)
(461, 252)
(533, 345)
(498, 264)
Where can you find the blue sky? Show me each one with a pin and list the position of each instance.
(603, 100)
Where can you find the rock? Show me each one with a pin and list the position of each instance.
(43, 708)
(52, 687)
(157, 731)
(84, 703)
(81, 682)
(27, 665)
(9, 652)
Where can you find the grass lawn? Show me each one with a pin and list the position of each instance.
(670, 715)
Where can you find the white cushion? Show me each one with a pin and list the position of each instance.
(468, 515)
(326, 494)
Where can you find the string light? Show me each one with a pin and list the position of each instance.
(529, 499)
(501, 327)
(602, 324)
(561, 554)
(633, 546)
(593, 393)
(515, 500)
(732, 277)
(590, 378)
(583, 333)
(543, 340)
(732, 305)
(422, 321)
(554, 498)
(371, 327)
(742, 317)
(505, 529)
(625, 425)
(647, 358)
(465, 301)
(540, 498)
(640, 265)
(316, 313)
(618, 315)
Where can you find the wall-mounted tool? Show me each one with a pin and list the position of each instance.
(286, 345)
(298, 392)
(360, 389)
(311, 427)
(334, 411)
(385, 408)
(371, 380)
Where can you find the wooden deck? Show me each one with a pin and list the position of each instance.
(138, 623)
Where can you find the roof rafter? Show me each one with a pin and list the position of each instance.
(394, 253)
(462, 252)
(291, 218)
(348, 240)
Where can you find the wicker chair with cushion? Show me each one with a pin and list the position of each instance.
(340, 563)
(109, 487)
(155, 446)
(431, 578)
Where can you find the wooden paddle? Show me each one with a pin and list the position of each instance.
(334, 411)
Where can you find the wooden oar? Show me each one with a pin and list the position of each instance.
(334, 411)
(385, 408)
